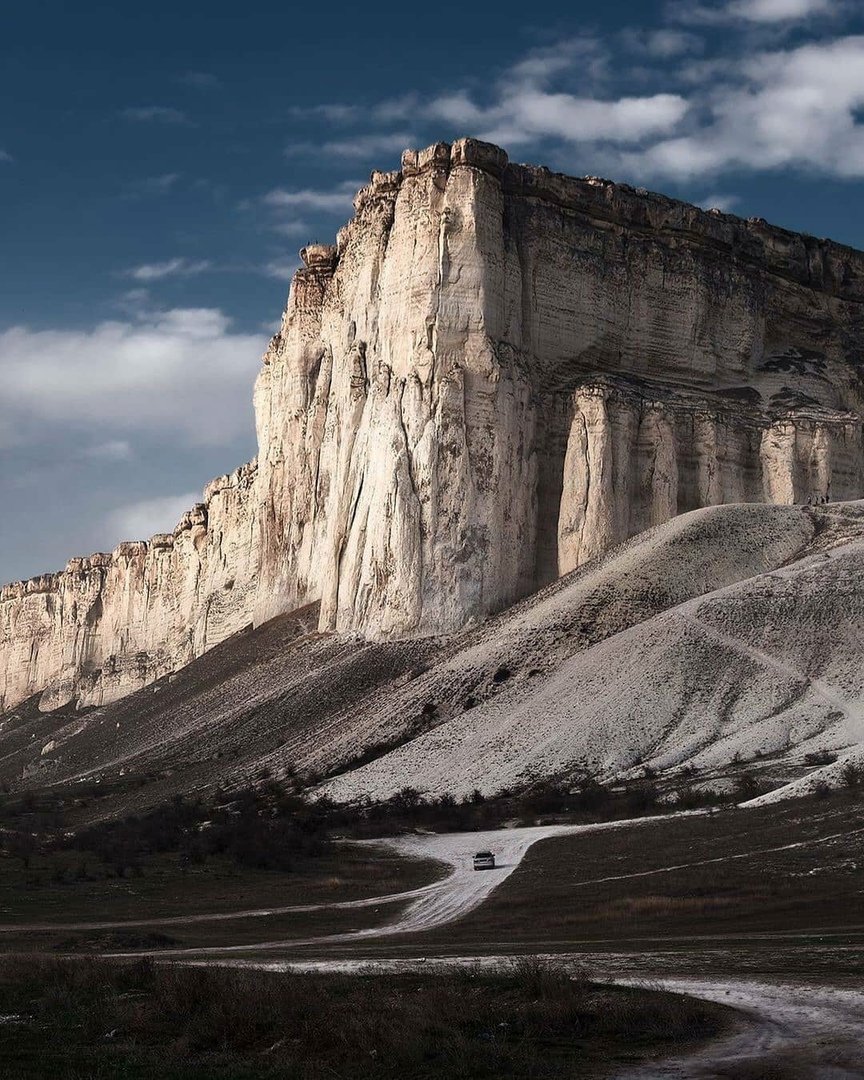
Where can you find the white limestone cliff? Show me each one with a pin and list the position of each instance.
(494, 375)
(110, 624)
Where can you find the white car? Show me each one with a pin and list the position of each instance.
(484, 860)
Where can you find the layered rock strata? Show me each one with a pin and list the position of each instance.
(494, 375)
(110, 624)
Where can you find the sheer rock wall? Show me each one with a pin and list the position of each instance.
(494, 375)
(110, 624)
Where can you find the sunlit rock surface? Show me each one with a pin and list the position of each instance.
(495, 375)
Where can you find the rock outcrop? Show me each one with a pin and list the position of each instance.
(495, 374)
(110, 624)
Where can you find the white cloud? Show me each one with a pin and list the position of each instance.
(355, 147)
(178, 267)
(112, 450)
(297, 213)
(330, 200)
(525, 109)
(755, 11)
(584, 52)
(281, 269)
(779, 10)
(795, 108)
(532, 114)
(159, 114)
(364, 146)
(387, 111)
(4, 157)
(182, 372)
(140, 520)
(719, 201)
(527, 114)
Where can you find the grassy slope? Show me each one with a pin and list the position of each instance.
(166, 889)
(551, 900)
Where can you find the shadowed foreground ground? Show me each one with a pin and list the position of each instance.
(139, 1021)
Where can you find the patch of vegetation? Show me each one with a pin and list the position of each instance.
(580, 800)
(145, 1020)
(268, 828)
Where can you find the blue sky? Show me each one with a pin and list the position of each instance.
(161, 164)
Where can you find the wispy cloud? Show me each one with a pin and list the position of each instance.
(355, 147)
(387, 111)
(200, 80)
(292, 229)
(142, 519)
(7, 158)
(755, 11)
(178, 267)
(281, 269)
(336, 113)
(155, 114)
(302, 213)
(321, 199)
(181, 370)
(662, 44)
(152, 185)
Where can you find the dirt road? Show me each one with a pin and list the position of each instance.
(790, 1030)
(439, 903)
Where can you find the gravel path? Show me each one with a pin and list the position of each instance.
(790, 1030)
(443, 901)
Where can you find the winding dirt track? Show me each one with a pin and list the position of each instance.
(441, 902)
(793, 1029)
(223, 916)
(788, 1030)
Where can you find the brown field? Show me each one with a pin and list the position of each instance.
(715, 876)
(70, 1020)
(49, 895)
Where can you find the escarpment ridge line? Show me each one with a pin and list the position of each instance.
(494, 375)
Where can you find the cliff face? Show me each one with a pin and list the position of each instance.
(495, 374)
(110, 624)
(499, 372)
